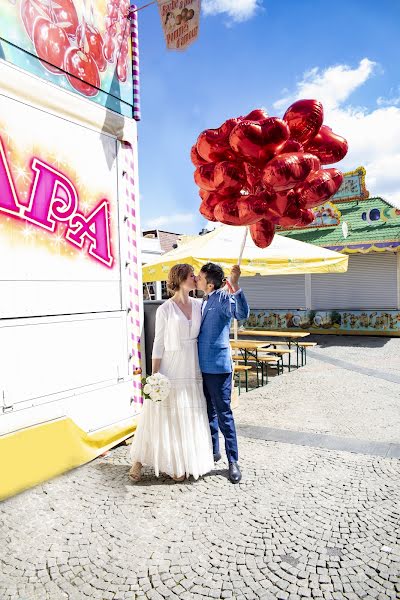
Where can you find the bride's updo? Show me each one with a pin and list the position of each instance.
(177, 275)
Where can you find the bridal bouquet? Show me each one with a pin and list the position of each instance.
(156, 387)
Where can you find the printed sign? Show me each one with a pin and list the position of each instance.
(59, 215)
(353, 187)
(180, 22)
(325, 215)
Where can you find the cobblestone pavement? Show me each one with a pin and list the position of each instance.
(303, 523)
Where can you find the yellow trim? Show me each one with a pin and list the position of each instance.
(349, 250)
(252, 266)
(35, 454)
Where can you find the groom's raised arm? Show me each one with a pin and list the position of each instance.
(240, 308)
(236, 306)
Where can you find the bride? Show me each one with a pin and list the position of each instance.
(173, 436)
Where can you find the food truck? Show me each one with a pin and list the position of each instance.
(70, 281)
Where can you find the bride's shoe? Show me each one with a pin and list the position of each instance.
(135, 472)
(179, 478)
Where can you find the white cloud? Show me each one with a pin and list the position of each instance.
(393, 101)
(236, 10)
(373, 134)
(332, 86)
(170, 220)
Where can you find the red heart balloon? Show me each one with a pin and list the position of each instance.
(287, 170)
(288, 222)
(227, 211)
(257, 142)
(253, 207)
(253, 178)
(209, 202)
(196, 158)
(277, 205)
(328, 146)
(204, 177)
(304, 118)
(259, 114)
(228, 177)
(319, 186)
(262, 233)
(213, 144)
(291, 146)
(307, 216)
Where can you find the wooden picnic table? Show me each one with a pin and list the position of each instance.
(249, 347)
(292, 337)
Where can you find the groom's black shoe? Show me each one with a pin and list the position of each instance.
(234, 473)
(217, 456)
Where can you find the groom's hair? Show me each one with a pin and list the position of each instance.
(213, 274)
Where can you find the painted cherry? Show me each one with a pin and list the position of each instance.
(109, 49)
(29, 11)
(66, 16)
(51, 44)
(82, 70)
(95, 44)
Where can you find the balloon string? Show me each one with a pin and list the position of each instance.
(242, 246)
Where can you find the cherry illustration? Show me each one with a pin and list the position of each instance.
(51, 43)
(66, 16)
(109, 49)
(94, 42)
(29, 11)
(82, 70)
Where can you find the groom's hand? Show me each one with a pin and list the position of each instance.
(234, 278)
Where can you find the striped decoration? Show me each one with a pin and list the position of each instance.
(133, 268)
(135, 61)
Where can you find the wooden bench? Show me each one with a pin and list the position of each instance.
(261, 361)
(242, 369)
(303, 350)
(265, 361)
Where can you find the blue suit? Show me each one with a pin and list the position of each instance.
(216, 365)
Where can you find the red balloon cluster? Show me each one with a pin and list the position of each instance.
(264, 171)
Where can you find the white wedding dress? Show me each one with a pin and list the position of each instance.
(173, 436)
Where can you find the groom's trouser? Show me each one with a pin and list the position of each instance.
(217, 390)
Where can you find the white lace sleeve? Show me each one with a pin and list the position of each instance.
(159, 334)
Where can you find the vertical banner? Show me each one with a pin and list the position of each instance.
(180, 22)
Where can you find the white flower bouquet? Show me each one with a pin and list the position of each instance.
(156, 387)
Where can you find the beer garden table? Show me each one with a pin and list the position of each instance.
(290, 337)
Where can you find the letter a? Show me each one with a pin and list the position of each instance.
(97, 229)
(8, 195)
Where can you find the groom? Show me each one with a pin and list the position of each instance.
(218, 309)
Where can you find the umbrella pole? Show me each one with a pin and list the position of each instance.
(235, 323)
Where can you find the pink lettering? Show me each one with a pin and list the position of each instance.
(8, 194)
(53, 197)
(94, 227)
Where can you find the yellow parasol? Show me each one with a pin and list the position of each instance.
(284, 256)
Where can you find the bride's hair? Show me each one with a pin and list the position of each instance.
(177, 275)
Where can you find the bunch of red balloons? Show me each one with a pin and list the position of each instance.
(263, 171)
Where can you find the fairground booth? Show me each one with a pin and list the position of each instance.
(365, 299)
(70, 287)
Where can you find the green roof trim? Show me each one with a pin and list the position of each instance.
(370, 222)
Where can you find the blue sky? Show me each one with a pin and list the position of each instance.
(268, 53)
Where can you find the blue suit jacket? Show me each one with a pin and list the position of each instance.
(213, 340)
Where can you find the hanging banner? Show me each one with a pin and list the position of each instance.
(180, 22)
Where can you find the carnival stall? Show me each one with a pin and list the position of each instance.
(365, 300)
(70, 287)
